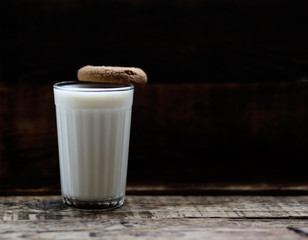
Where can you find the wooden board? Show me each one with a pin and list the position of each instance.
(157, 217)
(229, 132)
(153, 189)
(174, 41)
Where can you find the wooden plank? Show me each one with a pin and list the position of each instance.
(262, 126)
(153, 229)
(160, 217)
(174, 41)
(264, 189)
(218, 188)
(139, 207)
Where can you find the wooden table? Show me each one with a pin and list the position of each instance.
(228, 213)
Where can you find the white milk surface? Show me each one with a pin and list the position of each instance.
(93, 138)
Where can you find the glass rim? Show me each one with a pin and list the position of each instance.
(92, 86)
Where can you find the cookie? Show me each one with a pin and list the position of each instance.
(106, 74)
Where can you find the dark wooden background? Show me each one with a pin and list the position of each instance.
(227, 98)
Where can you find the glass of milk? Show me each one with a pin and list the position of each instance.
(93, 124)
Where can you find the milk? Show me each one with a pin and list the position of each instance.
(93, 126)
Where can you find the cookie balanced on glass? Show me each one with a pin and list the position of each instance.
(93, 126)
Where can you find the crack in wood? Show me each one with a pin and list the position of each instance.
(298, 230)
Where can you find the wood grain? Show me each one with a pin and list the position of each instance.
(262, 127)
(159, 217)
(183, 189)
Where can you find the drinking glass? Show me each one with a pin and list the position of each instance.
(93, 126)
